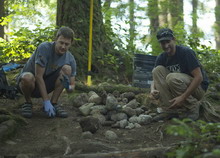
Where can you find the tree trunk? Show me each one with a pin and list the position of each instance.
(217, 24)
(163, 7)
(194, 16)
(76, 15)
(2, 14)
(131, 46)
(153, 15)
(176, 13)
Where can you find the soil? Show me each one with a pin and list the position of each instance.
(62, 137)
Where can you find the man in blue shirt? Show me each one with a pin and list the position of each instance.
(178, 79)
(50, 68)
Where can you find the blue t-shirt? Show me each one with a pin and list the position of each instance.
(46, 57)
(184, 61)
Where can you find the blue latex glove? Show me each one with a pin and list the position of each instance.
(65, 81)
(49, 109)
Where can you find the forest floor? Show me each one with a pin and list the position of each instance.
(62, 137)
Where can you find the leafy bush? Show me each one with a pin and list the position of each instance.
(210, 58)
(201, 138)
(23, 43)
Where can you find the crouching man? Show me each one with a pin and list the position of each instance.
(50, 68)
(178, 79)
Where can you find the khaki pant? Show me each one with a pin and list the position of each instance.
(171, 85)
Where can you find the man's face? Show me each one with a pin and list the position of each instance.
(62, 45)
(168, 46)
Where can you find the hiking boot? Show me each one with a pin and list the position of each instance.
(26, 110)
(164, 116)
(60, 112)
(192, 114)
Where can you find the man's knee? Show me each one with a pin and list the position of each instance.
(66, 69)
(172, 77)
(26, 77)
(158, 69)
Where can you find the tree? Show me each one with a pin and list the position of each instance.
(2, 14)
(131, 47)
(163, 12)
(194, 16)
(153, 14)
(176, 13)
(75, 14)
(217, 24)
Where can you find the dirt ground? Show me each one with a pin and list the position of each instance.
(62, 137)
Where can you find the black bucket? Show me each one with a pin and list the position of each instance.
(143, 66)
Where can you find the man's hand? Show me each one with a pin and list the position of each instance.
(49, 109)
(176, 102)
(155, 93)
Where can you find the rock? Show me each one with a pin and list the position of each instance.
(120, 124)
(10, 142)
(109, 114)
(116, 125)
(111, 102)
(86, 108)
(101, 118)
(129, 111)
(139, 111)
(91, 93)
(116, 93)
(108, 123)
(98, 109)
(134, 119)
(118, 116)
(132, 104)
(89, 124)
(94, 98)
(87, 135)
(7, 129)
(130, 126)
(144, 119)
(128, 95)
(123, 123)
(125, 100)
(152, 114)
(137, 125)
(110, 135)
(80, 100)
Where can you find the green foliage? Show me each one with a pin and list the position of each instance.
(23, 43)
(210, 58)
(200, 138)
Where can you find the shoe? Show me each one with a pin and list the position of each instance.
(59, 111)
(164, 116)
(26, 110)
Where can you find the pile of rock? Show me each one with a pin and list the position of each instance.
(113, 109)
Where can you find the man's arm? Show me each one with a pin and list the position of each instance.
(39, 72)
(197, 79)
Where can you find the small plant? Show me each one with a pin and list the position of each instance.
(201, 138)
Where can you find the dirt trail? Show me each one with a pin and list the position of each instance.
(58, 137)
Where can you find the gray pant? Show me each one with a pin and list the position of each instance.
(171, 85)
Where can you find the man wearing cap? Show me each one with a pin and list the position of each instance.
(178, 79)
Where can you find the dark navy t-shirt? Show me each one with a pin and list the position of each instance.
(184, 61)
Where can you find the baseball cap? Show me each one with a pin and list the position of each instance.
(165, 34)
